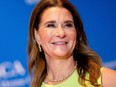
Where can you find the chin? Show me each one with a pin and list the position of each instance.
(62, 55)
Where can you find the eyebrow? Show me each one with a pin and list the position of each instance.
(53, 21)
(68, 21)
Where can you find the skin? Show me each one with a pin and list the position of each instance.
(108, 77)
(57, 36)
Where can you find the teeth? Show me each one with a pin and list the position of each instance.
(60, 43)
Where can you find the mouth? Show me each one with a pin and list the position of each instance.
(60, 43)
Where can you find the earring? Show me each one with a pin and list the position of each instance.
(39, 47)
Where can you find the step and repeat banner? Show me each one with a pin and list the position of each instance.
(99, 19)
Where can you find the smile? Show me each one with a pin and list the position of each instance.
(60, 43)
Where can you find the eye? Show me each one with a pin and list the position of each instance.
(51, 25)
(68, 25)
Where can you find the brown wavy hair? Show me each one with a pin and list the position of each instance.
(88, 61)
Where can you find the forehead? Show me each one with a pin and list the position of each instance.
(56, 13)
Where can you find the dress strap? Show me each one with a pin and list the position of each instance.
(100, 78)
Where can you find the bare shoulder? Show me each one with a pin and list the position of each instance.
(108, 77)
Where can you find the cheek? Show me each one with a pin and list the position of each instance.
(45, 37)
(74, 39)
(73, 35)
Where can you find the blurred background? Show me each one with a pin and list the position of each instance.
(99, 19)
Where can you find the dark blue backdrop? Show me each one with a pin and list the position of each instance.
(99, 19)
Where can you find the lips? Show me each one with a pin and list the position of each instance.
(60, 43)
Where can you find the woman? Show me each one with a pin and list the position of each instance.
(58, 51)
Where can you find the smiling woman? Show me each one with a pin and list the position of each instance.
(56, 33)
(59, 55)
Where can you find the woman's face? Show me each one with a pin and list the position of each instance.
(56, 33)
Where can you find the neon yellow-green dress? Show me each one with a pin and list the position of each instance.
(72, 81)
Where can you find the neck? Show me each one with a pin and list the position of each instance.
(57, 69)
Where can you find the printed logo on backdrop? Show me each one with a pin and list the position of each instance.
(110, 64)
(31, 2)
(13, 74)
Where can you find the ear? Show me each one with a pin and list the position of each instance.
(37, 37)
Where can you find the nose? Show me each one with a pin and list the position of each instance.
(60, 32)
